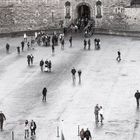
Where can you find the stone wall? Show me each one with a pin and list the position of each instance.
(43, 14)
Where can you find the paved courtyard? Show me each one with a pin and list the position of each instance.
(104, 81)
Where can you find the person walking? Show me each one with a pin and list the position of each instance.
(101, 114)
(2, 119)
(44, 93)
(89, 44)
(82, 134)
(96, 112)
(119, 56)
(73, 71)
(33, 128)
(53, 49)
(49, 65)
(41, 64)
(7, 48)
(62, 44)
(22, 46)
(28, 45)
(87, 134)
(18, 50)
(85, 43)
(70, 40)
(26, 128)
(32, 59)
(79, 75)
(29, 59)
(137, 96)
(25, 37)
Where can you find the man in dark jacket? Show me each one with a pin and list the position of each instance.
(44, 93)
(22, 45)
(70, 40)
(87, 134)
(7, 48)
(33, 128)
(41, 64)
(137, 96)
(2, 118)
(73, 71)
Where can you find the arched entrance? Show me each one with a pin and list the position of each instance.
(83, 11)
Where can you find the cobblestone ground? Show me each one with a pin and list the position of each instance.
(104, 81)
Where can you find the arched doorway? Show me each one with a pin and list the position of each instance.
(83, 11)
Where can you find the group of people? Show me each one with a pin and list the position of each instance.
(87, 43)
(85, 134)
(73, 72)
(45, 65)
(30, 128)
(30, 59)
(98, 111)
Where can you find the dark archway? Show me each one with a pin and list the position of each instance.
(83, 11)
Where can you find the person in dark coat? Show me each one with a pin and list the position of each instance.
(96, 112)
(41, 64)
(18, 50)
(22, 45)
(70, 40)
(44, 93)
(53, 49)
(32, 59)
(33, 128)
(73, 71)
(79, 75)
(89, 44)
(2, 119)
(7, 48)
(85, 44)
(29, 60)
(137, 96)
(82, 134)
(119, 56)
(49, 65)
(87, 134)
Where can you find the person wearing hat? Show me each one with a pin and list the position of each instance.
(2, 119)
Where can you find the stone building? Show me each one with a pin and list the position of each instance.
(109, 15)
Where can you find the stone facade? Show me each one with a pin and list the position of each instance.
(19, 15)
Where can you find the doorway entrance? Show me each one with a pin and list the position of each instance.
(83, 11)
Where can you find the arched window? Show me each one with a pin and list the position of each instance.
(99, 10)
(67, 7)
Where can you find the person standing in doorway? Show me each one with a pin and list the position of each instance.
(137, 96)
(44, 93)
(2, 119)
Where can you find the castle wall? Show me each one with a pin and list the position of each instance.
(32, 15)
